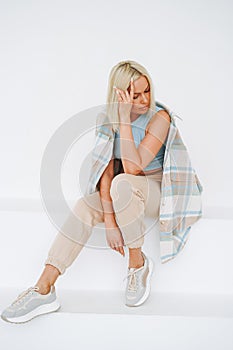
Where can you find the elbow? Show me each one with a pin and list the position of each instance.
(132, 170)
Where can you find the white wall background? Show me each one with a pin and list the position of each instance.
(55, 61)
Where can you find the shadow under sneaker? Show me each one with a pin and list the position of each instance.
(138, 283)
(30, 304)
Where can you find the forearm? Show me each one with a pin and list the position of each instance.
(106, 200)
(129, 154)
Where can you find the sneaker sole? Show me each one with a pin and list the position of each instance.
(148, 285)
(40, 310)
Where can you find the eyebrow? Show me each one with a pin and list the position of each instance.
(144, 90)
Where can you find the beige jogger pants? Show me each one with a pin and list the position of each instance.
(133, 197)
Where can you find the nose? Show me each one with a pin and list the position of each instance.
(144, 99)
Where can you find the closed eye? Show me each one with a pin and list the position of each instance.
(138, 95)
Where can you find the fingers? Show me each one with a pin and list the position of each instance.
(128, 96)
(124, 96)
(131, 89)
(121, 94)
(120, 250)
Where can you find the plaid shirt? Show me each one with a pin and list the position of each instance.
(180, 203)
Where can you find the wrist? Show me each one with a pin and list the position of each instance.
(109, 219)
(125, 119)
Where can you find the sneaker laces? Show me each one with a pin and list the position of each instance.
(23, 295)
(133, 279)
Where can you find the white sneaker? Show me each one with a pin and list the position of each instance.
(138, 284)
(30, 304)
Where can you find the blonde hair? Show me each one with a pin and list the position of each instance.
(120, 76)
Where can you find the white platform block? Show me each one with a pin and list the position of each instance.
(190, 305)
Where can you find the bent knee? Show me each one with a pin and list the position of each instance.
(120, 183)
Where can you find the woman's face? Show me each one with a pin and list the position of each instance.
(141, 98)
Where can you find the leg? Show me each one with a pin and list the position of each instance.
(64, 249)
(133, 198)
(135, 257)
(47, 279)
(41, 298)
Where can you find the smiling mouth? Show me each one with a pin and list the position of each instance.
(143, 107)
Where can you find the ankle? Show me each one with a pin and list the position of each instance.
(43, 288)
(136, 262)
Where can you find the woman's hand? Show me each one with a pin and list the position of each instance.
(125, 100)
(114, 238)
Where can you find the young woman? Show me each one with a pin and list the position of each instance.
(122, 199)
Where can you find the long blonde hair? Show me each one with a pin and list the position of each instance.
(120, 76)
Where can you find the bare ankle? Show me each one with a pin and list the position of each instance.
(43, 288)
(47, 279)
(136, 262)
(136, 259)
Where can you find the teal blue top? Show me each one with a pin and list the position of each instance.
(138, 131)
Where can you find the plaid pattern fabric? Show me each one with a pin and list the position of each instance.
(180, 205)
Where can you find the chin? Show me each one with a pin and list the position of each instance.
(143, 109)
